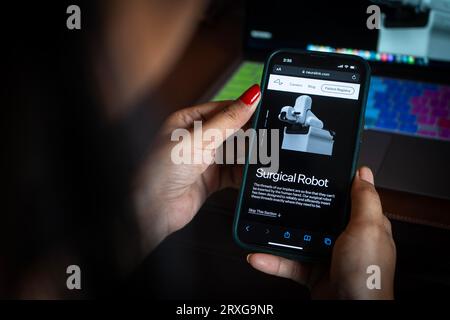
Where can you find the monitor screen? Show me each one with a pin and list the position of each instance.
(405, 34)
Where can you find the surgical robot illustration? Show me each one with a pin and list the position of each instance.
(306, 132)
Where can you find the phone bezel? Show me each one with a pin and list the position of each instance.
(365, 82)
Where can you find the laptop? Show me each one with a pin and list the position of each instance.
(406, 141)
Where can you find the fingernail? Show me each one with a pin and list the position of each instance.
(248, 257)
(250, 96)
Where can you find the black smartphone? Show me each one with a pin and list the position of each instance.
(310, 120)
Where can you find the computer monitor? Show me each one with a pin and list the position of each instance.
(409, 92)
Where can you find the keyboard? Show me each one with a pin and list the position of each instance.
(409, 107)
(393, 105)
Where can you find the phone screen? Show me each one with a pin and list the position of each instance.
(315, 103)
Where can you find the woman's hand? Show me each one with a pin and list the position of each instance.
(168, 195)
(366, 241)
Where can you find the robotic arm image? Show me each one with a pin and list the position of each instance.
(306, 132)
(300, 113)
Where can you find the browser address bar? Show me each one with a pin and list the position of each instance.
(336, 89)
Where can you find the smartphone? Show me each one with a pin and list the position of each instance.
(310, 119)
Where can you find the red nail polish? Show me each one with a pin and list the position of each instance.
(250, 96)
